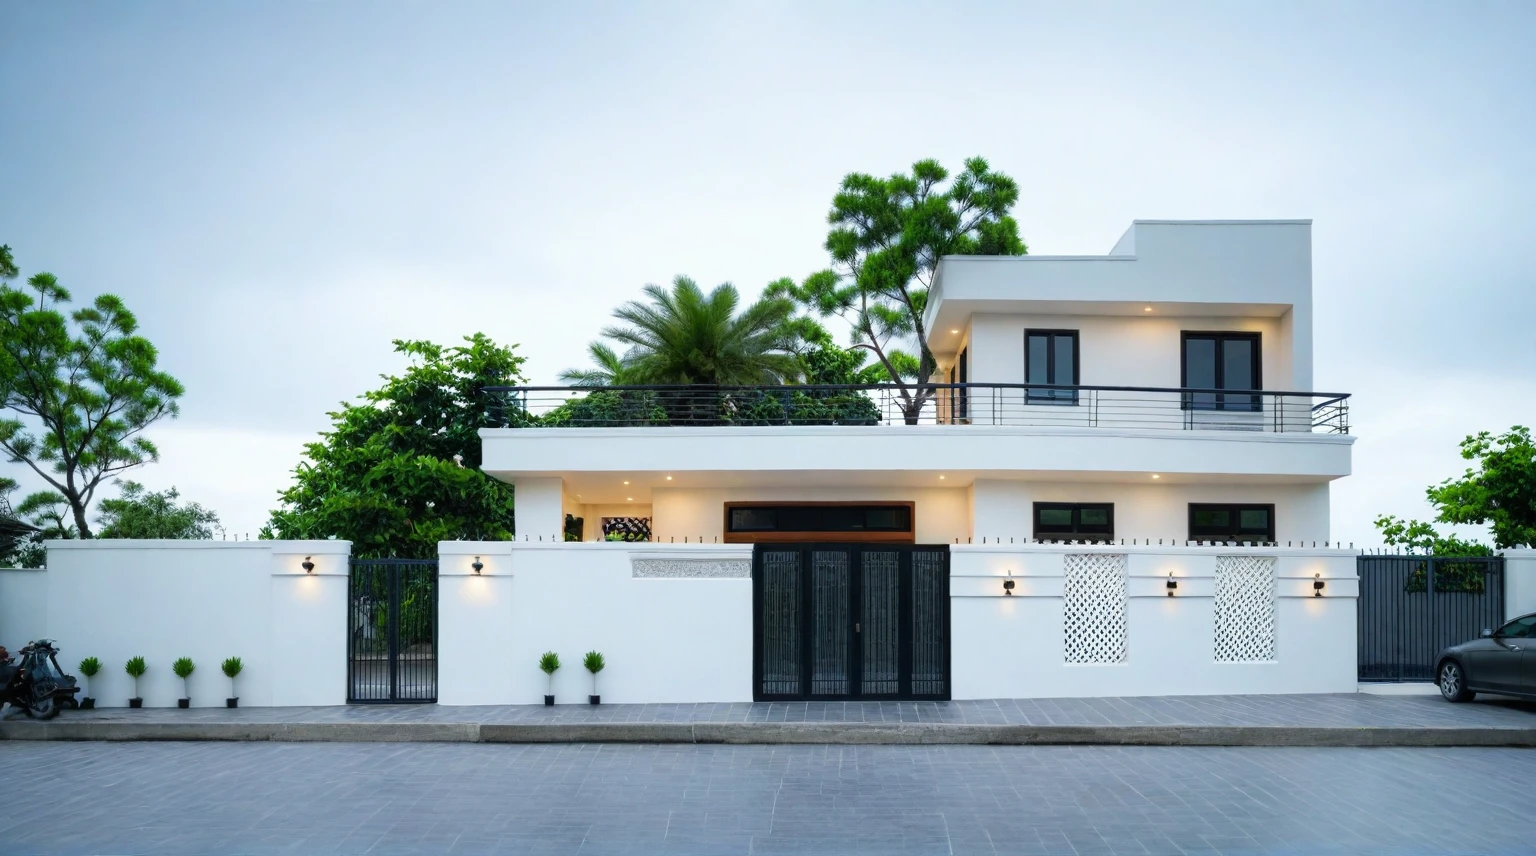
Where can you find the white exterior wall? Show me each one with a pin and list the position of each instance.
(665, 640)
(1004, 509)
(207, 600)
(1014, 646)
(942, 515)
(540, 509)
(1519, 582)
(23, 607)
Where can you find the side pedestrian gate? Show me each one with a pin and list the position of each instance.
(850, 621)
(392, 639)
(1412, 607)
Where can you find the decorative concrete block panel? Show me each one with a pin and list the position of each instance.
(693, 569)
(1245, 609)
(1094, 608)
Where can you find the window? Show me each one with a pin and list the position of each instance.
(1215, 522)
(1221, 361)
(749, 522)
(1074, 521)
(1050, 357)
(1520, 628)
(963, 363)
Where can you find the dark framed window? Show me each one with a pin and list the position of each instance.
(750, 522)
(964, 377)
(1221, 361)
(1050, 357)
(1210, 521)
(1074, 521)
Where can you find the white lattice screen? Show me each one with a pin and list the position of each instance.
(1094, 605)
(1245, 609)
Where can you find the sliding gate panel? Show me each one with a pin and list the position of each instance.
(858, 621)
(392, 631)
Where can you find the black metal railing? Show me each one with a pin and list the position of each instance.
(1016, 404)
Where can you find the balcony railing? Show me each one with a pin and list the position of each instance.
(1012, 404)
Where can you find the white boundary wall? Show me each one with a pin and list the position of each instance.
(1014, 646)
(207, 600)
(665, 639)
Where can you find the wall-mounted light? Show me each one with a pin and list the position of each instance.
(1317, 585)
(478, 566)
(1008, 585)
(1173, 584)
(307, 565)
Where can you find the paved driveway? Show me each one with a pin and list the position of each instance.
(260, 798)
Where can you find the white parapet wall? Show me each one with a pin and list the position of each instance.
(1100, 621)
(208, 600)
(673, 622)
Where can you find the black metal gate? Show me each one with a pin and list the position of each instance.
(392, 631)
(1412, 607)
(850, 621)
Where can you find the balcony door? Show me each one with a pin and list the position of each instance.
(1221, 361)
(850, 621)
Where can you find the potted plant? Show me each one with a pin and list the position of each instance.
(232, 667)
(183, 669)
(549, 662)
(594, 663)
(135, 667)
(89, 667)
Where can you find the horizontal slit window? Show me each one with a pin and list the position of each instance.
(1231, 522)
(1074, 521)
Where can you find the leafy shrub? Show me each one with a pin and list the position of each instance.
(135, 667)
(232, 666)
(90, 666)
(549, 662)
(593, 661)
(182, 667)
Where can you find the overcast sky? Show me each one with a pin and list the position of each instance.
(278, 190)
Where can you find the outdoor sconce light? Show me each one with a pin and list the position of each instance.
(308, 566)
(1008, 586)
(1317, 585)
(478, 566)
(1173, 584)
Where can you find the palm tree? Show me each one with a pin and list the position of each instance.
(684, 336)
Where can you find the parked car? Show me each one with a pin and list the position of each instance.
(1503, 661)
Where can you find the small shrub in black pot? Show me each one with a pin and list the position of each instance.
(183, 669)
(135, 667)
(548, 663)
(232, 667)
(89, 667)
(594, 663)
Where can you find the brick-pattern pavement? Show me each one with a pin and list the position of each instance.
(1352, 709)
(171, 799)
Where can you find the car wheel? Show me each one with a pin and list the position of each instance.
(1453, 682)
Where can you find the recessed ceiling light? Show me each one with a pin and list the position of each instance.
(1156, 476)
(941, 476)
(626, 482)
(1148, 309)
(669, 478)
(954, 331)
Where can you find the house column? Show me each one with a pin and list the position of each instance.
(307, 657)
(538, 509)
(1519, 581)
(475, 641)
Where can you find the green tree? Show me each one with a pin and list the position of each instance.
(41, 516)
(886, 241)
(400, 470)
(684, 336)
(1499, 492)
(84, 387)
(141, 513)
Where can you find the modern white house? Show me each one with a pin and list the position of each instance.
(1118, 486)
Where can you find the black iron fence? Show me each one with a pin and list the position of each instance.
(1412, 607)
(392, 630)
(1171, 408)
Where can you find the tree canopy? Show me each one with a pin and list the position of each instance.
(684, 336)
(141, 513)
(1500, 492)
(83, 387)
(399, 471)
(887, 238)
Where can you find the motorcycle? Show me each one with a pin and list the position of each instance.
(37, 685)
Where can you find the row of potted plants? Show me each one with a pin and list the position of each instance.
(550, 661)
(136, 667)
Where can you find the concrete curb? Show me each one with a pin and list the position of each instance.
(826, 733)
